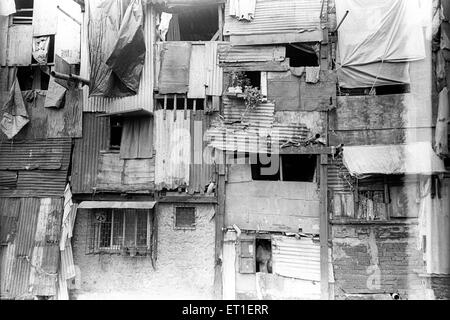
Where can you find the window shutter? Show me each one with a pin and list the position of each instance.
(247, 256)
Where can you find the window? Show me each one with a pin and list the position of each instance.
(120, 230)
(116, 133)
(193, 23)
(184, 218)
(377, 91)
(24, 12)
(292, 168)
(180, 103)
(301, 55)
(255, 254)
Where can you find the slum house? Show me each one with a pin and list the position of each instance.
(388, 189)
(278, 55)
(40, 115)
(145, 188)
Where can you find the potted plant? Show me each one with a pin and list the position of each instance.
(252, 98)
(238, 82)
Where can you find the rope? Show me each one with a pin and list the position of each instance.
(39, 269)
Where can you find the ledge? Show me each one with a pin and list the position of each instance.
(369, 223)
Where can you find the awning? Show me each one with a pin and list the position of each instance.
(116, 205)
(414, 158)
(140, 112)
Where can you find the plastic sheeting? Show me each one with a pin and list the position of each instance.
(137, 138)
(117, 47)
(414, 158)
(16, 115)
(7, 7)
(381, 30)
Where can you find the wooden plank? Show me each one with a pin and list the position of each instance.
(257, 66)
(3, 39)
(44, 17)
(309, 36)
(219, 225)
(197, 73)
(324, 271)
(20, 45)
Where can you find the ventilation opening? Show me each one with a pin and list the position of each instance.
(196, 23)
(289, 168)
(377, 91)
(264, 255)
(32, 78)
(116, 133)
(301, 55)
(192, 104)
(185, 218)
(24, 12)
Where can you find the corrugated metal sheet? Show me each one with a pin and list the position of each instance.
(197, 72)
(214, 77)
(32, 256)
(3, 39)
(50, 154)
(338, 176)
(296, 258)
(42, 166)
(9, 211)
(144, 99)
(173, 148)
(414, 158)
(229, 54)
(277, 17)
(258, 129)
(87, 150)
(8, 179)
(201, 168)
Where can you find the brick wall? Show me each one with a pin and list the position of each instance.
(375, 261)
(184, 268)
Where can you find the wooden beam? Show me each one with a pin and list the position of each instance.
(324, 263)
(187, 199)
(220, 224)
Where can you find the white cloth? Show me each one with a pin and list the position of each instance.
(243, 9)
(7, 7)
(441, 145)
(380, 30)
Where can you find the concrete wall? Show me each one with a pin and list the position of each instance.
(374, 261)
(184, 267)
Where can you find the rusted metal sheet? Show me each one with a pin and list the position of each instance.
(173, 148)
(201, 168)
(338, 176)
(214, 77)
(41, 166)
(279, 18)
(144, 99)
(9, 211)
(8, 179)
(254, 130)
(20, 45)
(30, 260)
(296, 258)
(87, 151)
(115, 174)
(51, 154)
(232, 55)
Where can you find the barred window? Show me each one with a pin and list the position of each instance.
(185, 218)
(120, 230)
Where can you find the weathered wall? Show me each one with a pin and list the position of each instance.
(270, 205)
(184, 267)
(373, 261)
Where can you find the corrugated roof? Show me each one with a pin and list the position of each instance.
(241, 54)
(277, 16)
(86, 152)
(414, 158)
(117, 204)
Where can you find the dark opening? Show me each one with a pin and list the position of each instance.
(197, 23)
(32, 78)
(378, 91)
(298, 167)
(116, 133)
(264, 255)
(447, 163)
(51, 51)
(294, 168)
(301, 55)
(24, 12)
(199, 104)
(258, 172)
(254, 77)
(185, 217)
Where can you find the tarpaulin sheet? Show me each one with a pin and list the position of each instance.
(374, 75)
(137, 138)
(414, 158)
(128, 57)
(380, 30)
(16, 115)
(116, 46)
(175, 64)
